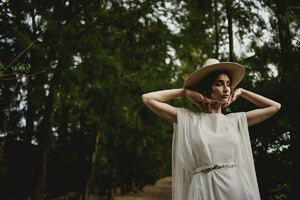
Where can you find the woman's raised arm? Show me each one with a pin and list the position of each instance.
(156, 101)
(266, 107)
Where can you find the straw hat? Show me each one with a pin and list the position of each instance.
(236, 71)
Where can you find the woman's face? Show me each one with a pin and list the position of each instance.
(221, 89)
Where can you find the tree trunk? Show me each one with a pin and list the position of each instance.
(92, 167)
(216, 29)
(32, 81)
(63, 128)
(228, 5)
(283, 27)
(30, 114)
(33, 16)
(44, 146)
(288, 72)
(45, 134)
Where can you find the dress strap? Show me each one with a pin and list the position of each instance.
(206, 169)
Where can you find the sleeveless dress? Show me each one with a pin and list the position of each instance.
(212, 157)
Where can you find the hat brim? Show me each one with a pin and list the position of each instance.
(236, 71)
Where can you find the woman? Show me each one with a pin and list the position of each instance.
(211, 152)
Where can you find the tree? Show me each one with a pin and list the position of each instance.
(81, 128)
(289, 76)
(216, 23)
(228, 7)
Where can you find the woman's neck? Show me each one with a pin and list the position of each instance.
(213, 108)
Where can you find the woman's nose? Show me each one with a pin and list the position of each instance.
(225, 88)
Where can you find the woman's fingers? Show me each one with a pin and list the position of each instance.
(234, 97)
(212, 101)
(231, 99)
(197, 98)
(206, 100)
(228, 103)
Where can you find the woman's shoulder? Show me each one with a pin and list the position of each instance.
(185, 110)
(236, 116)
(186, 113)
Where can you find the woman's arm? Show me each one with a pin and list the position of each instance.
(156, 101)
(266, 107)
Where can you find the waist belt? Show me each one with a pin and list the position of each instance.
(217, 166)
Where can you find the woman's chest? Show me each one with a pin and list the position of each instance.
(215, 139)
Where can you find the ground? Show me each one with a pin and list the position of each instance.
(162, 190)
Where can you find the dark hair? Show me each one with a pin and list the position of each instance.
(204, 87)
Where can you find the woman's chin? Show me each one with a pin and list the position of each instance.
(221, 100)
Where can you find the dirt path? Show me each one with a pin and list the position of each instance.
(162, 190)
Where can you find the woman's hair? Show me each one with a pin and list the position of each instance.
(205, 86)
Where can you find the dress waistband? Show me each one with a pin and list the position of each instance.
(206, 169)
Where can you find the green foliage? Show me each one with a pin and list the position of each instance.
(18, 69)
(99, 57)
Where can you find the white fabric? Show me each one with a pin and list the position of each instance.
(203, 140)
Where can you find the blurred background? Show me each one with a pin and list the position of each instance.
(72, 73)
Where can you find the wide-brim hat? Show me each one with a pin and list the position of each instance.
(236, 71)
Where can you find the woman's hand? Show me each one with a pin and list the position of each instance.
(234, 95)
(197, 98)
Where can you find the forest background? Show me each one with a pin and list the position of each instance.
(73, 72)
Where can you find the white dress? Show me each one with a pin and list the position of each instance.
(212, 157)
